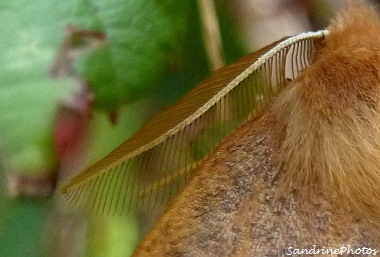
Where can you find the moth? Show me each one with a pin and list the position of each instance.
(279, 151)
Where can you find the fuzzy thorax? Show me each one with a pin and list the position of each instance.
(330, 119)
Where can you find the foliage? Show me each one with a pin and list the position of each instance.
(153, 54)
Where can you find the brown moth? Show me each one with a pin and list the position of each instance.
(290, 167)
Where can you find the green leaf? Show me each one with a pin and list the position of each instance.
(143, 36)
(28, 97)
(27, 120)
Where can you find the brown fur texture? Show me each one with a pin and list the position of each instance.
(331, 119)
(306, 173)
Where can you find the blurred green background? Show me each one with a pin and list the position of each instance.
(79, 77)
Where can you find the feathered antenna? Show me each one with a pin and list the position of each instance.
(149, 168)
